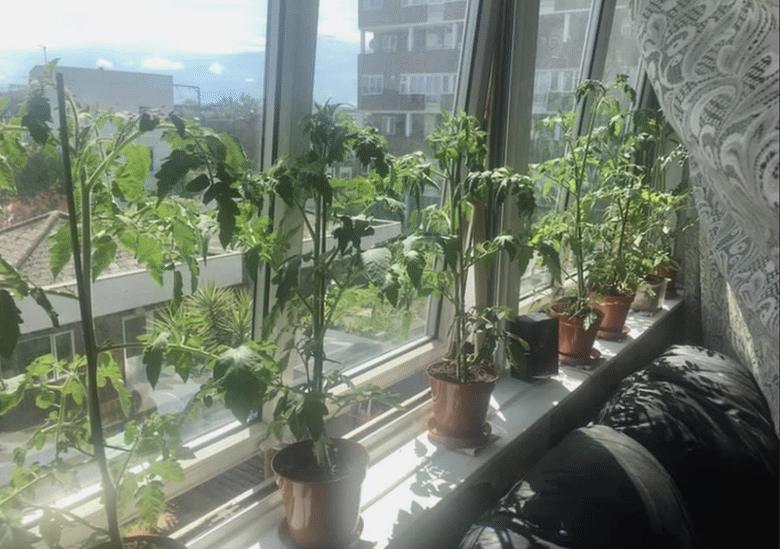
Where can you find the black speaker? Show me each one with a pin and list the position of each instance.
(540, 331)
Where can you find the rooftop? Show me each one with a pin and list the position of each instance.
(25, 246)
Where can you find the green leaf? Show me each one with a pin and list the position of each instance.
(50, 526)
(200, 183)
(61, 250)
(37, 117)
(178, 285)
(148, 121)
(109, 371)
(226, 217)
(243, 389)
(130, 178)
(150, 503)
(313, 414)
(216, 147)
(10, 320)
(103, 254)
(168, 471)
(153, 358)
(178, 123)
(376, 262)
(174, 168)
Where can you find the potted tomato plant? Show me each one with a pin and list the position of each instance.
(569, 231)
(320, 477)
(464, 234)
(100, 171)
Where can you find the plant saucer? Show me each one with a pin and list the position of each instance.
(569, 360)
(356, 543)
(614, 336)
(456, 443)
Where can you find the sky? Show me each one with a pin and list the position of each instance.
(218, 45)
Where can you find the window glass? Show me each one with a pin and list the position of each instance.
(419, 69)
(562, 36)
(563, 27)
(622, 51)
(201, 60)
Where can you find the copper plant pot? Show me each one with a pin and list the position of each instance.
(146, 542)
(460, 409)
(321, 512)
(650, 295)
(575, 343)
(615, 310)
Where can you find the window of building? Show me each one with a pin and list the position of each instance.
(372, 84)
(373, 4)
(59, 344)
(442, 37)
(389, 43)
(133, 327)
(429, 84)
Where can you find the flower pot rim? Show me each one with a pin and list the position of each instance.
(296, 446)
(560, 315)
(456, 382)
(599, 297)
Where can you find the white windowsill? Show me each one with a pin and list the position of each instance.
(401, 449)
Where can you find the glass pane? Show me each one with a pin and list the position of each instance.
(134, 327)
(622, 52)
(202, 60)
(63, 343)
(563, 29)
(392, 65)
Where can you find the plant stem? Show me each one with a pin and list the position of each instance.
(81, 264)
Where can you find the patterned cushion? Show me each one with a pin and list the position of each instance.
(703, 417)
(597, 488)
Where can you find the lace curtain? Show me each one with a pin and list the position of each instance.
(714, 67)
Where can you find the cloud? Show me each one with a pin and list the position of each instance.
(104, 63)
(171, 27)
(216, 68)
(157, 63)
(339, 20)
(249, 80)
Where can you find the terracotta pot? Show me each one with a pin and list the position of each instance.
(321, 513)
(575, 343)
(615, 310)
(146, 542)
(650, 295)
(460, 409)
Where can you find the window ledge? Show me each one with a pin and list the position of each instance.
(409, 474)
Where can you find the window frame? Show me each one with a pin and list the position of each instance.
(291, 38)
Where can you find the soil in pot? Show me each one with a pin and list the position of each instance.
(145, 542)
(460, 409)
(322, 507)
(614, 308)
(650, 295)
(575, 343)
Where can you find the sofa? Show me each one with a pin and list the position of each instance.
(683, 455)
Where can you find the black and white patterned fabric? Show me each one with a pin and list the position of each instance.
(596, 489)
(703, 417)
(714, 67)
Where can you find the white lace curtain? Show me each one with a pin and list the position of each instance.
(714, 67)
